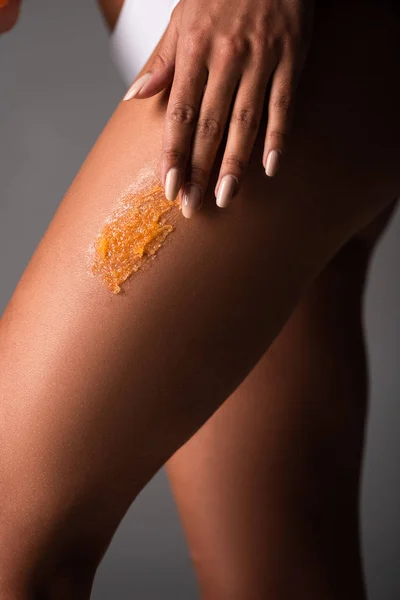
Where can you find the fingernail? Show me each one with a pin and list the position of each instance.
(3, 3)
(172, 184)
(272, 164)
(137, 86)
(191, 200)
(226, 190)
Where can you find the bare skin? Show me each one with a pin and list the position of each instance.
(235, 54)
(109, 388)
(270, 484)
(228, 491)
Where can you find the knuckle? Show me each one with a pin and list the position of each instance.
(159, 62)
(173, 156)
(235, 164)
(194, 42)
(209, 128)
(283, 103)
(276, 138)
(265, 32)
(198, 173)
(246, 119)
(233, 47)
(182, 113)
(267, 19)
(260, 38)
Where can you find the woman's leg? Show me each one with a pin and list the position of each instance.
(98, 390)
(268, 488)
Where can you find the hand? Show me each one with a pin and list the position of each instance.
(214, 55)
(9, 13)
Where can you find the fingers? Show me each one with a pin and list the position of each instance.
(243, 128)
(211, 123)
(280, 114)
(161, 70)
(181, 116)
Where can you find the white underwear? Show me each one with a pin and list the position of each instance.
(139, 27)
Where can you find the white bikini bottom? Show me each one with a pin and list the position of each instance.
(139, 27)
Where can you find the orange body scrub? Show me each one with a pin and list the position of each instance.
(133, 234)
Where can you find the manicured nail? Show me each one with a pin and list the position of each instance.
(272, 164)
(172, 184)
(226, 190)
(3, 3)
(191, 200)
(137, 86)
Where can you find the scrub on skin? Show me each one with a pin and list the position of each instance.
(133, 234)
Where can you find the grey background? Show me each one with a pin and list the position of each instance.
(57, 90)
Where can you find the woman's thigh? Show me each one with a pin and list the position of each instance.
(271, 480)
(98, 390)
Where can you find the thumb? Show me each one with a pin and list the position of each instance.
(161, 69)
